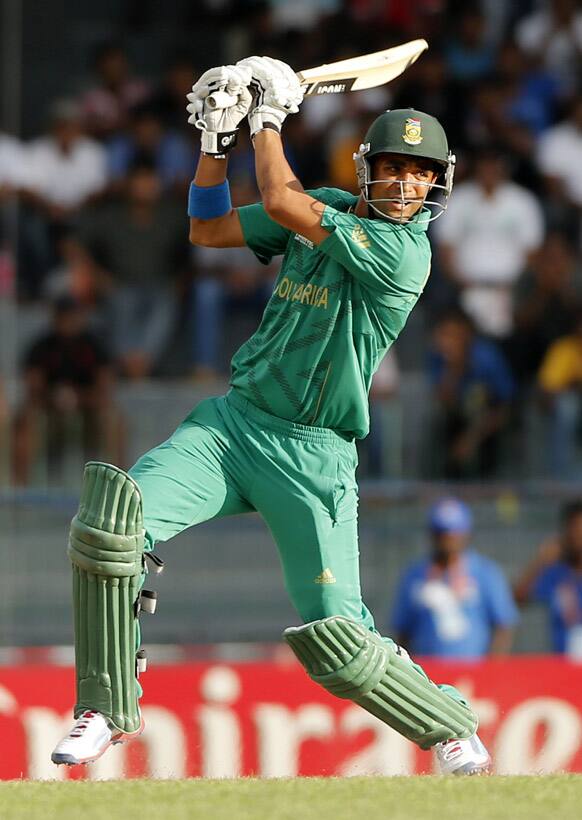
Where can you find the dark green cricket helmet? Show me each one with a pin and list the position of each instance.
(410, 132)
(414, 134)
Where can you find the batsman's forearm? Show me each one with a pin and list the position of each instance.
(215, 231)
(275, 179)
(210, 171)
(283, 196)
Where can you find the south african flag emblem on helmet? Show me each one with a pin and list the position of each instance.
(412, 131)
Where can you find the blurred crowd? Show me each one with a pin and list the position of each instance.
(99, 201)
(456, 602)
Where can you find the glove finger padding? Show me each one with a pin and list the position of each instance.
(219, 124)
(230, 78)
(211, 116)
(220, 77)
(278, 81)
(287, 91)
(277, 92)
(223, 119)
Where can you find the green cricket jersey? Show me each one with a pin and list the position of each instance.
(335, 310)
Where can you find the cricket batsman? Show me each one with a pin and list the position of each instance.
(282, 440)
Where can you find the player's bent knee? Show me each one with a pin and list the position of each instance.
(106, 549)
(352, 662)
(106, 535)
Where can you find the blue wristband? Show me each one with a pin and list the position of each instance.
(209, 203)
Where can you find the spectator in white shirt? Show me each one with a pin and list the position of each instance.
(559, 159)
(67, 167)
(553, 34)
(21, 260)
(13, 167)
(492, 228)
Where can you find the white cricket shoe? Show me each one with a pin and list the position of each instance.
(89, 738)
(463, 756)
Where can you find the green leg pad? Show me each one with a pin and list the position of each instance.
(352, 662)
(106, 548)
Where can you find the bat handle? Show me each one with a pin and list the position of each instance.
(220, 99)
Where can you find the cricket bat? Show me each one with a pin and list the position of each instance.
(353, 74)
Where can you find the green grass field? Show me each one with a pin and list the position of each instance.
(373, 798)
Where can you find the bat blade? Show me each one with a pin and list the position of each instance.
(353, 74)
(358, 73)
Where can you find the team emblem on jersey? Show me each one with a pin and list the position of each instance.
(412, 131)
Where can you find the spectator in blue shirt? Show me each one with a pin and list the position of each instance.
(455, 603)
(473, 388)
(531, 92)
(470, 56)
(554, 578)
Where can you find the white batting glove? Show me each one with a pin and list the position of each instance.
(219, 123)
(276, 92)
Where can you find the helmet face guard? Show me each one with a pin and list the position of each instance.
(436, 206)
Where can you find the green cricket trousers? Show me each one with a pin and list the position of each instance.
(229, 457)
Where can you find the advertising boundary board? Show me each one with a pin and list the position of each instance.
(220, 719)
